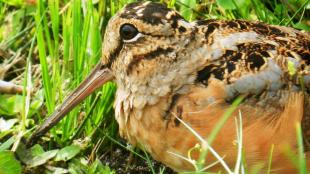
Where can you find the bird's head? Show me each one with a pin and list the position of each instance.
(144, 47)
(144, 51)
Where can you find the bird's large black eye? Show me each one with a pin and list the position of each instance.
(128, 31)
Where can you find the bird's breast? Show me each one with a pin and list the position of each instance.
(160, 128)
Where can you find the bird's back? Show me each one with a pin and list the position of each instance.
(244, 52)
(264, 62)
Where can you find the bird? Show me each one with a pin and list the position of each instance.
(172, 75)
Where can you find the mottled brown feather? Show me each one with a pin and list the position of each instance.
(194, 71)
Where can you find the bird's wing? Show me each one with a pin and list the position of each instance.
(256, 57)
(264, 63)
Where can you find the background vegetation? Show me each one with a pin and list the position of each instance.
(48, 47)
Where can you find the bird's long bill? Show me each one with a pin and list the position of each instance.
(99, 76)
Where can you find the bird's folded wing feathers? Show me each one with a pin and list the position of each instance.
(256, 57)
(265, 63)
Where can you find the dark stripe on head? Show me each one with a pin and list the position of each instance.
(152, 13)
(148, 56)
(112, 57)
(159, 51)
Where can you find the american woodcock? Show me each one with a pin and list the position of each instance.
(167, 68)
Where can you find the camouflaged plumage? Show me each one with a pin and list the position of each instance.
(168, 69)
(170, 57)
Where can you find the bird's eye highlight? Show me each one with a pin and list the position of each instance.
(128, 31)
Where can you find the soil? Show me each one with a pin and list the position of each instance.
(123, 162)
